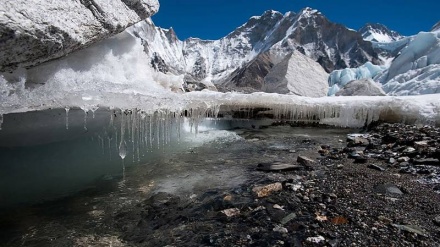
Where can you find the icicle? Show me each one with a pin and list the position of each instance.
(93, 109)
(1, 121)
(85, 118)
(67, 117)
(112, 117)
(123, 146)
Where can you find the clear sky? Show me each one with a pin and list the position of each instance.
(213, 19)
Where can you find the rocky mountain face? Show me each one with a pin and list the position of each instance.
(436, 27)
(377, 32)
(241, 60)
(35, 31)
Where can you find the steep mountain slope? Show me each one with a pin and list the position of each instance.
(232, 61)
(377, 32)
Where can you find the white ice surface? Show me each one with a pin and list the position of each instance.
(115, 74)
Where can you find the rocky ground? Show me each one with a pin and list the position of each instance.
(380, 188)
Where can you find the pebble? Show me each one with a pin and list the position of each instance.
(316, 240)
(280, 229)
(376, 167)
(263, 191)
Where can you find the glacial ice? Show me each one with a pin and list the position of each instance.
(339, 78)
(115, 74)
(416, 70)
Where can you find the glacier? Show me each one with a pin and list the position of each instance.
(116, 74)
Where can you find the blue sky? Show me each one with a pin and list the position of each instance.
(213, 19)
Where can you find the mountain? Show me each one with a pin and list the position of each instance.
(436, 27)
(377, 32)
(243, 58)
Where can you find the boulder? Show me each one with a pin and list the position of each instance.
(36, 31)
(363, 87)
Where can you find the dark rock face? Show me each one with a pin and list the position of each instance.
(436, 26)
(35, 33)
(314, 28)
(250, 78)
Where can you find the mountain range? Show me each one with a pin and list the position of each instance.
(285, 53)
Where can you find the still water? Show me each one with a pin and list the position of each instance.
(66, 192)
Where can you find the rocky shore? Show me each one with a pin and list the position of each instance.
(378, 188)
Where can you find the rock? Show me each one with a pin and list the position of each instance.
(362, 87)
(305, 161)
(33, 32)
(388, 189)
(403, 159)
(437, 220)
(276, 206)
(277, 166)
(316, 240)
(280, 229)
(340, 166)
(288, 218)
(230, 212)
(361, 160)
(376, 167)
(430, 161)
(410, 228)
(263, 191)
(392, 161)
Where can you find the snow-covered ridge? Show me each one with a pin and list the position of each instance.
(379, 33)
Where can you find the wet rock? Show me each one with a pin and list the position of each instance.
(263, 191)
(387, 189)
(376, 167)
(392, 161)
(277, 166)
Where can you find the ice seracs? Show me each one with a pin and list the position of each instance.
(417, 69)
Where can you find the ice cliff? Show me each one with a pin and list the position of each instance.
(35, 31)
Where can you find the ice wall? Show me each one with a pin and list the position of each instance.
(339, 78)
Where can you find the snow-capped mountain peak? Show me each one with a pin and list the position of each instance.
(377, 32)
